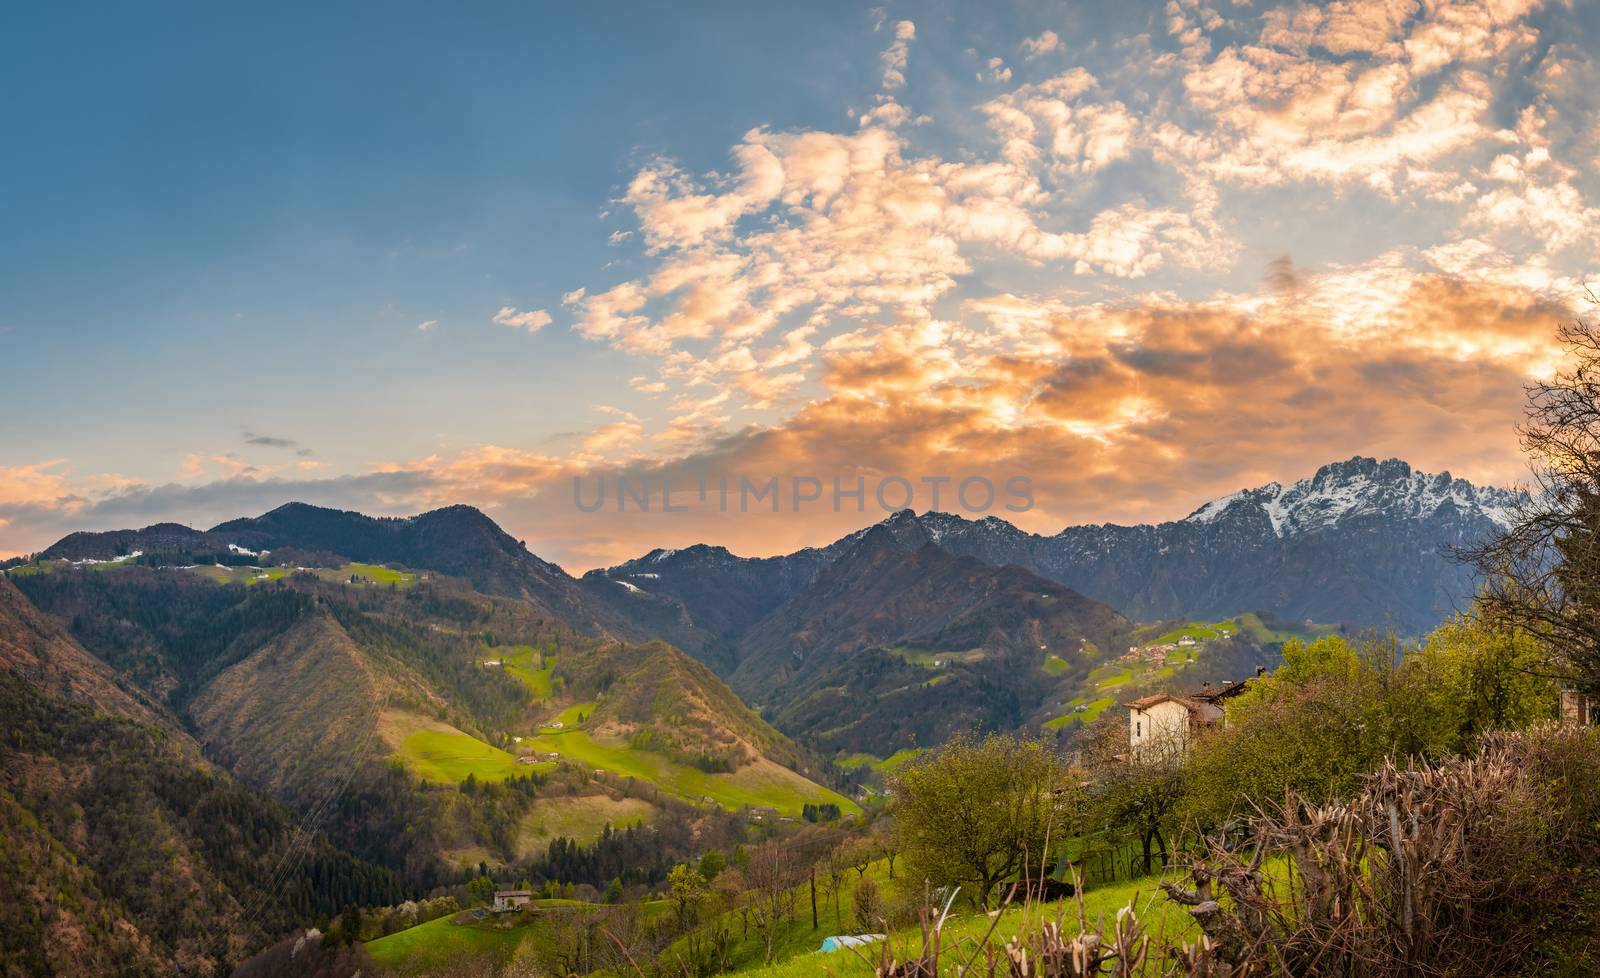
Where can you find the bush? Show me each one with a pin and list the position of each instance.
(868, 906)
(1465, 866)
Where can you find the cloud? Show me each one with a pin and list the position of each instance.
(426, 325)
(532, 320)
(1127, 410)
(1034, 47)
(268, 441)
(1074, 280)
(898, 54)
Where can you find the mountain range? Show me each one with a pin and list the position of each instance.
(378, 678)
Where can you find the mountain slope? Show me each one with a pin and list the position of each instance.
(702, 599)
(36, 649)
(1361, 541)
(456, 540)
(298, 712)
(123, 851)
(899, 643)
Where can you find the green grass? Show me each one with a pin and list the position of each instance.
(763, 783)
(242, 575)
(1054, 665)
(580, 818)
(895, 761)
(368, 574)
(433, 945)
(52, 566)
(1093, 708)
(438, 944)
(532, 666)
(887, 765)
(447, 757)
(374, 573)
(795, 953)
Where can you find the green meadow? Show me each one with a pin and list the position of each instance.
(447, 757)
(535, 668)
(761, 783)
(795, 946)
(435, 944)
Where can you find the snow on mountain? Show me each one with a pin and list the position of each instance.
(1360, 486)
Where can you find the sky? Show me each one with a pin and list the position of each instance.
(1111, 260)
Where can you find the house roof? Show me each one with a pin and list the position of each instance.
(1214, 694)
(1156, 699)
(513, 893)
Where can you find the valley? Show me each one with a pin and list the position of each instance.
(447, 708)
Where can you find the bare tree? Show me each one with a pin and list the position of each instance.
(773, 872)
(1542, 575)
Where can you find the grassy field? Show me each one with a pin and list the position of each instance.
(52, 566)
(241, 575)
(963, 935)
(579, 818)
(438, 752)
(371, 573)
(886, 765)
(761, 783)
(430, 946)
(796, 943)
(366, 574)
(534, 667)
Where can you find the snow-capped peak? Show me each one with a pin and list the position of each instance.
(1355, 487)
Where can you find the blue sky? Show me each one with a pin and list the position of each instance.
(226, 228)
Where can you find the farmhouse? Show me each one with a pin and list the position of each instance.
(1169, 721)
(512, 899)
(1579, 708)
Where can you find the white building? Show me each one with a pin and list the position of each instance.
(512, 899)
(1167, 721)
(1171, 721)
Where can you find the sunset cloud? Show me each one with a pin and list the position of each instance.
(532, 320)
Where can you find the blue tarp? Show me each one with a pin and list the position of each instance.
(852, 940)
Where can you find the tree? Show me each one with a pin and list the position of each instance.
(974, 810)
(711, 864)
(685, 889)
(868, 905)
(1333, 712)
(857, 852)
(480, 890)
(1141, 794)
(1542, 575)
(773, 872)
(1495, 678)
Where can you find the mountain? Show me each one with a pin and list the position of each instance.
(370, 699)
(161, 537)
(126, 852)
(456, 540)
(37, 650)
(899, 643)
(1361, 541)
(702, 599)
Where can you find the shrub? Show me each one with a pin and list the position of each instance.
(868, 905)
